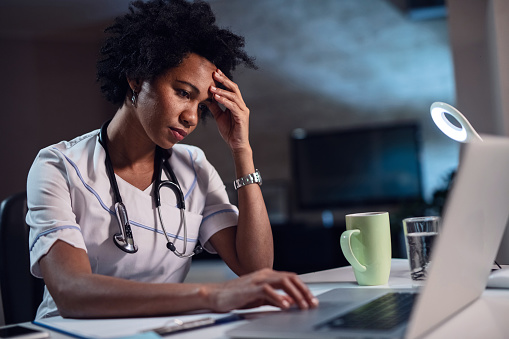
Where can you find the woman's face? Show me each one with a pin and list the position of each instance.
(170, 106)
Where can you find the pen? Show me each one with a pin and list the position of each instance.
(180, 326)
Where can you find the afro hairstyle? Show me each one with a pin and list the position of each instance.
(155, 36)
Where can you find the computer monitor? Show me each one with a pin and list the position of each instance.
(361, 166)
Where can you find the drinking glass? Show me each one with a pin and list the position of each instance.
(420, 235)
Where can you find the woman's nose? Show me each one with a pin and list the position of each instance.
(189, 116)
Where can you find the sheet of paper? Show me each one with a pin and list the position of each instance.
(112, 328)
(129, 327)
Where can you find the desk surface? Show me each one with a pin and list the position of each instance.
(485, 318)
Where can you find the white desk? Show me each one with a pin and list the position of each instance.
(485, 318)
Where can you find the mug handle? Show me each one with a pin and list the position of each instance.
(346, 247)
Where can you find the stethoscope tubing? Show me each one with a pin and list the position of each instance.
(124, 239)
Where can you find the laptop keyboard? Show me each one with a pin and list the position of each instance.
(384, 313)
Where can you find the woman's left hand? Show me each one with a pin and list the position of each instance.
(233, 121)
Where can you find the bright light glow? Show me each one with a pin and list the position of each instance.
(464, 134)
(453, 132)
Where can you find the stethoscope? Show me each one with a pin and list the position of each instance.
(124, 239)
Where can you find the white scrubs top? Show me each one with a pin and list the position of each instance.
(70, 199)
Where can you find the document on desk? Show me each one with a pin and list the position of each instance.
(147, 328)
(129, 327)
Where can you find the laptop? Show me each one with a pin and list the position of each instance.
(473, 222)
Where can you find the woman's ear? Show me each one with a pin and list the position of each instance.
(134, 84)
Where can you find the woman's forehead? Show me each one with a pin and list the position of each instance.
(196, 70)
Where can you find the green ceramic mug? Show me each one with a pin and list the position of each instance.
(366, 244)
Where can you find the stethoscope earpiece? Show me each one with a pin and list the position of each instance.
(171, 246)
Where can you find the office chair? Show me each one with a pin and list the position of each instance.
(20, 291)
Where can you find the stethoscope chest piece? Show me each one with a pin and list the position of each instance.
(124, 239)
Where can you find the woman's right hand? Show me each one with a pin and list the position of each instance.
(261, 288)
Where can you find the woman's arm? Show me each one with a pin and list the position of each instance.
(249, 246)
(79, 293)
(252, 247)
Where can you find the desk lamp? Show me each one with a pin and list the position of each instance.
(465, 134)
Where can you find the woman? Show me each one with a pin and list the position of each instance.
(166, 65)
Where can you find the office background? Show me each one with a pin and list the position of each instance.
(323, 64)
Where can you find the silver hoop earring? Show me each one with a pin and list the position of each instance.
(134, 98)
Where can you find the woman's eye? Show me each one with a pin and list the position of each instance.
(203, 108)
(204, 112)
(184, 93)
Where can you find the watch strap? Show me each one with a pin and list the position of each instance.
(252, 178)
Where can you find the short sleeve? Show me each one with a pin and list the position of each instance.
(50, 215)
(217, 211)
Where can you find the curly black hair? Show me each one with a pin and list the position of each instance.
(157, 35)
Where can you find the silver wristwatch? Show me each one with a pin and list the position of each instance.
(253, 178)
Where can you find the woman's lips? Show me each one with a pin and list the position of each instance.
(178, 133)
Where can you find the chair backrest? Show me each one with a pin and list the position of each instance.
(20, 291)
